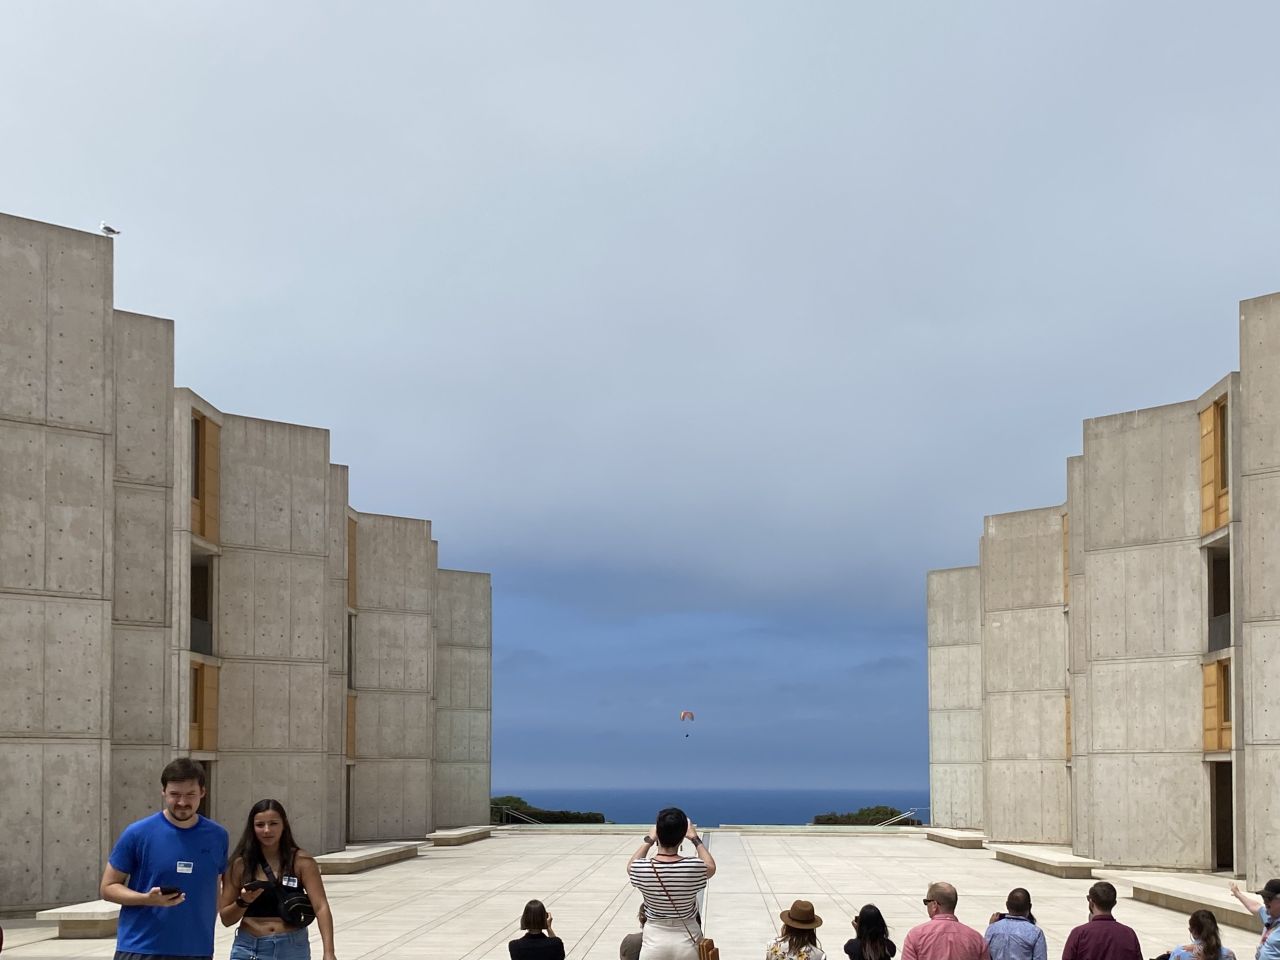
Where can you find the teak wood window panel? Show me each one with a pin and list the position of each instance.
(204, 707)
(1215, 497)
(351, 563)
(206, 469)
(351, 726)
(1217, 706)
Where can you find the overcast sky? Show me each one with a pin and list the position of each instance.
(707, 328)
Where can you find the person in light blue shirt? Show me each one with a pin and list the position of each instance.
(1014, 935)
(165, 870)
(1266, 909)
(1206, 941)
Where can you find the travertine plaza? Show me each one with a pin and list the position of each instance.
(1101, 677)
(464, 903)
(180, 581)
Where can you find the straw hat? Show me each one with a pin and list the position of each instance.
(801, 916)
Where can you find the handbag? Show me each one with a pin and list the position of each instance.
(295, 905)
(707, 949)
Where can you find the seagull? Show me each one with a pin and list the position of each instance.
(109, 230)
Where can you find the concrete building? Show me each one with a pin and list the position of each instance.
(180, 581)
(1116, 648)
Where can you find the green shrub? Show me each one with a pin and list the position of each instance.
(866, 817)
(498, 815)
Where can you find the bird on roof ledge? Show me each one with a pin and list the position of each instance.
(109, 230)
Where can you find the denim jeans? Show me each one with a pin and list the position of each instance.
(294, 945)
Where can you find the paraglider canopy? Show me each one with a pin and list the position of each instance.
(686, 714)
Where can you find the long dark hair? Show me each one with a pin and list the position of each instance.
(1204, 927)
(873, 933)
(250, 851)
(799, 937)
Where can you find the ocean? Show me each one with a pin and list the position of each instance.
(712, 807)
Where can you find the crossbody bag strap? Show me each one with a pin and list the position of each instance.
(683, 922)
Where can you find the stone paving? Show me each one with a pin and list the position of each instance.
(463, 903)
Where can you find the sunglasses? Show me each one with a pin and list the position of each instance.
(926, 901)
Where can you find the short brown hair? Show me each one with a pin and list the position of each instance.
(184, 768)
(1103, 895)
(534, 916)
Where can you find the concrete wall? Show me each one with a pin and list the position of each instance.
(143, 652)
(954, 604)
(57, 499)
(270, 630)
(395, 582)
(1078, 663)
(1257, 598)
(1147, 787)
(336, 612)
(463, 687)
(1024, 677)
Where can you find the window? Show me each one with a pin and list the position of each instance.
(206, 443)
(1215, 501)
(197, 455)
(1217, 705)
(204, 707)
(351, 651)
(201, 617)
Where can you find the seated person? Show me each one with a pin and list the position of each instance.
(540, 941)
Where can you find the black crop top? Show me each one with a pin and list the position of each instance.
(266, 905)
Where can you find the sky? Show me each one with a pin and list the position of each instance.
(707, 328)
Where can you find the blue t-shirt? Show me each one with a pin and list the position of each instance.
(155, 853)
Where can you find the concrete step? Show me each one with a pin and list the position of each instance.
(1055, 861)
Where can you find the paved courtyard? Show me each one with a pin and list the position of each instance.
(463, 903)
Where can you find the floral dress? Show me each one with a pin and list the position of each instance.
(781, 950)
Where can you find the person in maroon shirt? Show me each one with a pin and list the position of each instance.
(1103, 937)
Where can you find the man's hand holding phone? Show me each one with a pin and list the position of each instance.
(165, 896)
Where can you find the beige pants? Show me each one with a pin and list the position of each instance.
(669, 940)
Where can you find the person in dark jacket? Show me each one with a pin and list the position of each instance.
(872, 941)
(539, 941)
(1103, 937)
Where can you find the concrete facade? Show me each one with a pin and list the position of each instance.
(176, 580)
(1150, 607)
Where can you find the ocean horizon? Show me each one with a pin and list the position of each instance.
(710, 807)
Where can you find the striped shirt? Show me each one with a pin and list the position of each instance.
(684, 879)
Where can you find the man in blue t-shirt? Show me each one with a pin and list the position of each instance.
(164, 872)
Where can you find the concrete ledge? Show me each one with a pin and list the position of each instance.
(965, 839)
(459, 835)
(358, 859)
(94, 920)
(1055, 861)
(1187, 894)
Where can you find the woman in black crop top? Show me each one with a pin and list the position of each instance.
(250, 898)
(535, 944)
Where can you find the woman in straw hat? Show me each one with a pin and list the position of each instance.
(799, 939)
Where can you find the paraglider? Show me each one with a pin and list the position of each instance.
(686, 715)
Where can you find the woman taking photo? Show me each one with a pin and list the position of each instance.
(539, 941)
(670, 885)
(266, 867)
(872, 941)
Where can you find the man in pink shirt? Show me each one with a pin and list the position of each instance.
(943, 937)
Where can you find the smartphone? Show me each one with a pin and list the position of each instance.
(170, 891)
(256, 884)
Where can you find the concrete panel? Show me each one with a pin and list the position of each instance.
(139, 656)
(375, 634)
(75, 638)
(236, 604)
(462, 677)
(1022, 559)
(1146, 705)
(79, 383)
(23, 313)
(74, 482)
(1027, 725)
(22, 506)
(335, 811)
(306, 607)
(334, 727)
(271, 705)
(306, 706)
(271, 605)
(1262, 649)
(954, 606)
(955, 736)
(391, 799)
(460, 794)
(470, 597)
(335, 624)
(72, 806)
(1150, 810)
(1260, 505)
(1262, 840)
(135, 784)
(22, 679)
(144, 398)
(336, 560)
(1081, 807)
(1025, 650)
(955, 677)
(956, 795)
(462, 735)
(393, 564)
(1259, 420)
(21, 842)
(142, 533)
(1145, 601)
(1033, 805)
(309, 490)
(418, 643)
